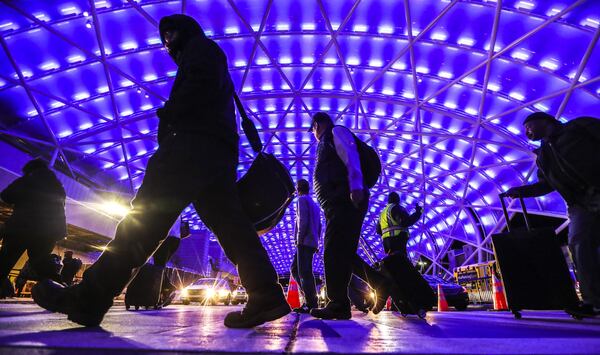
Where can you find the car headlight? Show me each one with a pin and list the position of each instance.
(210, 293)
(184, 292)
(223, 293)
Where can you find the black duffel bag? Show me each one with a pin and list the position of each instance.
(267, 189)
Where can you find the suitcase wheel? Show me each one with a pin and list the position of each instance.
(137, 307)
(421, 313)
(127, 307)
(517, 314)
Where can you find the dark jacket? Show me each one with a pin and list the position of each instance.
(38, 201)
(201, 99)
(330, 179)
(568, 161)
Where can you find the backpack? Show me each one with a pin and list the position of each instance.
(369, 162)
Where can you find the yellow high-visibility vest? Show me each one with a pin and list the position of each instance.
(389, 226)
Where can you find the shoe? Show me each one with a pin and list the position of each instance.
(253, 315)
(302, 309)
(380, 300)
(582, 311)
(332, 311)
(55, 297)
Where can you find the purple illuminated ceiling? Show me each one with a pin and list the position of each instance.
(440, 88)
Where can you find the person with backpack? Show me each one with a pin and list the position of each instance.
(568, 162)
(341, 184)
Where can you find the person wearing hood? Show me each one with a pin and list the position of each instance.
(38, 220)
(195, 163)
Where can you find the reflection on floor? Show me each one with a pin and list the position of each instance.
(25, 328)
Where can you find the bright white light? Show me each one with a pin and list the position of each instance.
(521, 55)
(75, 59)
(102, 89)
(408, 94)
(352, 61)
(270, 108)
(469, 80)
(81, 96)
(540, 106)
(231, 30)
(550, 64)
(153, 41)
(422, 70)
(360, 28)
(327, 87)
(450, 105)
(125, 113)
(388, 92)
(445, 74)
(331, 60)
(282, 26)
(348, 87)
(386, 30)
(246, 88)
(56, 104)
(90, 151)
(126, 82)
(516, 95)
(439, 36)
(553, 11)
(471, 111)
(525, 5)
(69, 10)
(64, 134)
(267, 87)
(114, 208)
(49, 66)
(493, 87)
(102, 4)
(146, 107)
(128, 45)
(32, 113)
(307, 60)
(375, 63)
(262, 61)
(308, 26)
(150, 77)
(41, 16)
(285, 60)
(465, 41)
(85, 126)
(514, 129)
(399, 65)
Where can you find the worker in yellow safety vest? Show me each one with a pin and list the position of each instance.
(393, 224)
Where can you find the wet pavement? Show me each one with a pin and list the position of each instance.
(26, 329)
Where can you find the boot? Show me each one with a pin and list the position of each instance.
(258, 310)
(332, 311)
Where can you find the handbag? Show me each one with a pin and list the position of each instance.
(267, 189)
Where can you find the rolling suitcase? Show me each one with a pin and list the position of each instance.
(145, 289)
(532, 267)
(416, 296)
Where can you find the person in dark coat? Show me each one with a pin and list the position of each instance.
(568, 162)
(38, 220)
(195, 163)
(71, 267)
(344, 198)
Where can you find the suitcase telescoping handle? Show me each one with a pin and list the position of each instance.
(505, 211)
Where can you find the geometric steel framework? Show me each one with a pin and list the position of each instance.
(438, 87)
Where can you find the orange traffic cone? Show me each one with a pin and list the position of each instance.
(500, 303)
(293, 297)
(442, 303)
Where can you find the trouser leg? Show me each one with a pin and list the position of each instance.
(363, 270)
(294, 267)
(10, 252)
(307, 279)
(39, 251)
(584, 242)
(342, 233)
(220, 209)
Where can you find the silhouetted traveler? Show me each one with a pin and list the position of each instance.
(568, 162)
(37, 222)
(307, 233)
(196, 162)
(393, 224)
(71, 267)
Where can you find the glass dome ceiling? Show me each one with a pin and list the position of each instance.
(439, 87)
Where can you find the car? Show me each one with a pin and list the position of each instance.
(455, 294)
(239, 296)
(207, 291)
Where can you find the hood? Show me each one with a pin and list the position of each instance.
(187, 27)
